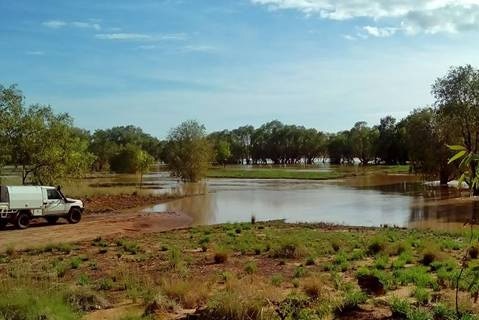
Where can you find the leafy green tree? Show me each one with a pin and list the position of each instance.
(391, 146)
(340, 148)
(457, 100)
(43, 144)
(145, 161)
(188, 151)
(222, 151)
(427, 138)
(363, 142)
(106, 144)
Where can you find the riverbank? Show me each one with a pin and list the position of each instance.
(276, 270)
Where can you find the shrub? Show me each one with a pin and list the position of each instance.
(75, 262)
(85, 300)
(352, 299)
(250, 267)
(289, 250)
(310, 261)
(381, 262)
(473, 252)
(105, 284)
(313, 288)
(159, 304)
(422, 295)
(400, 308)
(276, 280)
(20, 302)
(376, 245)
(299, 272)
(128, 246)
(180, 290)
(226, 304)
(221, 256)
(175, 260)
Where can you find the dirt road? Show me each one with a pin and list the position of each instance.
(129, 222)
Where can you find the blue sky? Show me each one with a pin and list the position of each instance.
(154, 63)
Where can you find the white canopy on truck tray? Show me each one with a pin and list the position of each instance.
(25, 197)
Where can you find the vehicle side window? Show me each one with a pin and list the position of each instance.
(53, 194)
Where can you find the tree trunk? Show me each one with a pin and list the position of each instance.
(443, 177)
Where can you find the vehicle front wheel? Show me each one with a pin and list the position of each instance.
(52, 220)
(23, 220)
(74, 215)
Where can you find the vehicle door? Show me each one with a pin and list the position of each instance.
(55, 204)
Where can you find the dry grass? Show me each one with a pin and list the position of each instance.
(189, 293)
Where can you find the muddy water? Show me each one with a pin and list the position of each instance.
(401, 200)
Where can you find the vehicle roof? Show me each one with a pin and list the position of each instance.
(27, 188)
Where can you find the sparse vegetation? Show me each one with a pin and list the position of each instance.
(167, 273)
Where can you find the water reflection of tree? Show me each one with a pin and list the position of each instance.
(443, 215)
(197, 203)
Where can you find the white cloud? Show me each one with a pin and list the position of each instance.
(86, 25)
(54, 24)
(35, 53)
(123, 36)
(379, 32)
(199, 48)
(130, 36)
(349, 37)
(409, 16)
(57, 24)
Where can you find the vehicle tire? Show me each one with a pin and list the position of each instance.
(74, 215)
(52, 219)
(23, 220)
(3, 223)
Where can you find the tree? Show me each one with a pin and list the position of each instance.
(188, 152)
(363, 141)
(427, 138)
(106, 144)
(145, 161)
(457, 100)
(222, 151)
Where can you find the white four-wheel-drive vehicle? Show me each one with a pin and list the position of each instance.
(20, 204)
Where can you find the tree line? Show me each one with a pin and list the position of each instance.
(46, 146)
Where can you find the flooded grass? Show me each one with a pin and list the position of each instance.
(277, 270)
(302, 172)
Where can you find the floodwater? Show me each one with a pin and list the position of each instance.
(371, 200)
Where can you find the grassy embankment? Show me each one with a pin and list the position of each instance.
(276, 271)
(309, 173)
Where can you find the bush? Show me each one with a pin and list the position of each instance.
(422, 295)
(289, 250)
(27, 303)
(352, 299)
(250, 267)
(473, 252)
(313, 288)
(376, 245)
(276, 280)
(186, 292)
(221, 256)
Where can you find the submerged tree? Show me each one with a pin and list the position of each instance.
(427, 137)
(188, 152)
(457, 99)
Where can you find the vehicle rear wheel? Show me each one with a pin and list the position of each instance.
(74, 215)
(23, 220)
(52, 220)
